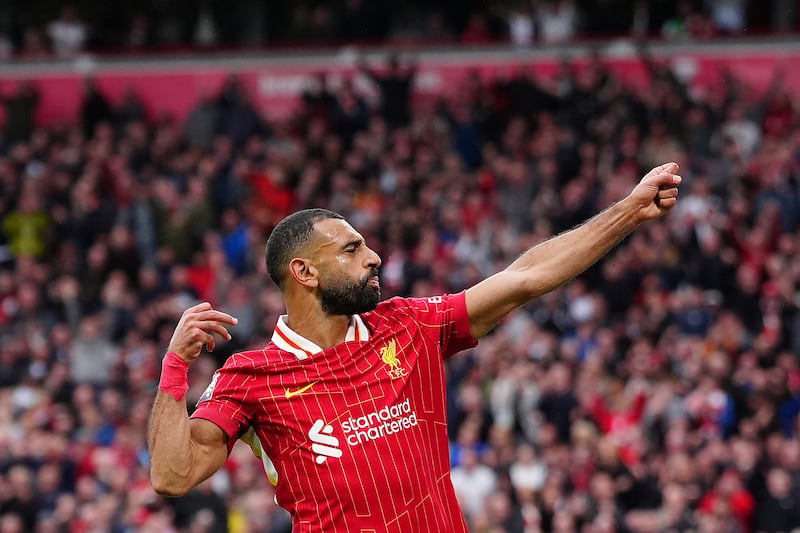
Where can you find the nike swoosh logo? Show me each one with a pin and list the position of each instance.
(301, 390)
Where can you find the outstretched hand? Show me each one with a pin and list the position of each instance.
(196, 328)
(657, 192)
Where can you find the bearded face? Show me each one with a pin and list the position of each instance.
(346, 296)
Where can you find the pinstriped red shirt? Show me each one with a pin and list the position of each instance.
(354, 437)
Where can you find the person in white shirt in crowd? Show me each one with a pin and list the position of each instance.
(527, 472)
(68, 33)
(556, 20)
(521, 30)
(473, 482)
(728, 16)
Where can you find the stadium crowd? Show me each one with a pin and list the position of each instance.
(659, 392)
(66, 30)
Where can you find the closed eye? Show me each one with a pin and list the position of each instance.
(351, 247)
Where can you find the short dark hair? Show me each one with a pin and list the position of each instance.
(291, 234)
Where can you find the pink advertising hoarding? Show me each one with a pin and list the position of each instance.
(172, 86)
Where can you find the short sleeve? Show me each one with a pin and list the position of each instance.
(223, 403)
(446, 314)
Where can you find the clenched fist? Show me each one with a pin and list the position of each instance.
(657, 193)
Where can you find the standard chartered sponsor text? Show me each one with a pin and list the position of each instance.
(378, 424)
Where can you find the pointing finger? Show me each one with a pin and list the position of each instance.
(202, 306)
(218, 316)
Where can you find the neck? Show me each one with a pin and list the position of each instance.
(314, 324)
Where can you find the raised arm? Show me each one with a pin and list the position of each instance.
(363, 67)
(184, 452)
(556, 261)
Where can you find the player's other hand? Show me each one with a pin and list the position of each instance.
(657, 193)
(196, 328)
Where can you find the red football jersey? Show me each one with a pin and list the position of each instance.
(354, 437)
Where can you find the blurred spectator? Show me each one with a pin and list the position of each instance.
(239, 119)
(473, 482)
(527, 473)
(20, 109)
(34, 44)
(778, 508)
(350, 114)
(498, 514)
(27, 227)
(94, 108)
(256, 512)
(92, 357)
(202, 123)
(313, 24)
(130, 109)
(201, 509)
(318, 98)
(140, 32)
(785, 15)
(18, 506)
(728, 16)
(205, 28)
(68, 33)
(477, 30)
(618, 413)
(729, 496)
(688, 22)
(674, 514)
(742, 130)
(558, 403)
(395, 86)
(521, 27)
(556, 20)
(6, 46)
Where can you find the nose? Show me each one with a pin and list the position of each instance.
(373, 259)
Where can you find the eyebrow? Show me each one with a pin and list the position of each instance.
(354, 242)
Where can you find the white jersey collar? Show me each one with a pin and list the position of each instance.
(287, 339)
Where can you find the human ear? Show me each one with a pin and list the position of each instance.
(303, 272)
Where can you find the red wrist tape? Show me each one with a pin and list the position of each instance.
(174, 376)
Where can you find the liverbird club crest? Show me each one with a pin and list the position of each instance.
(389, 356)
